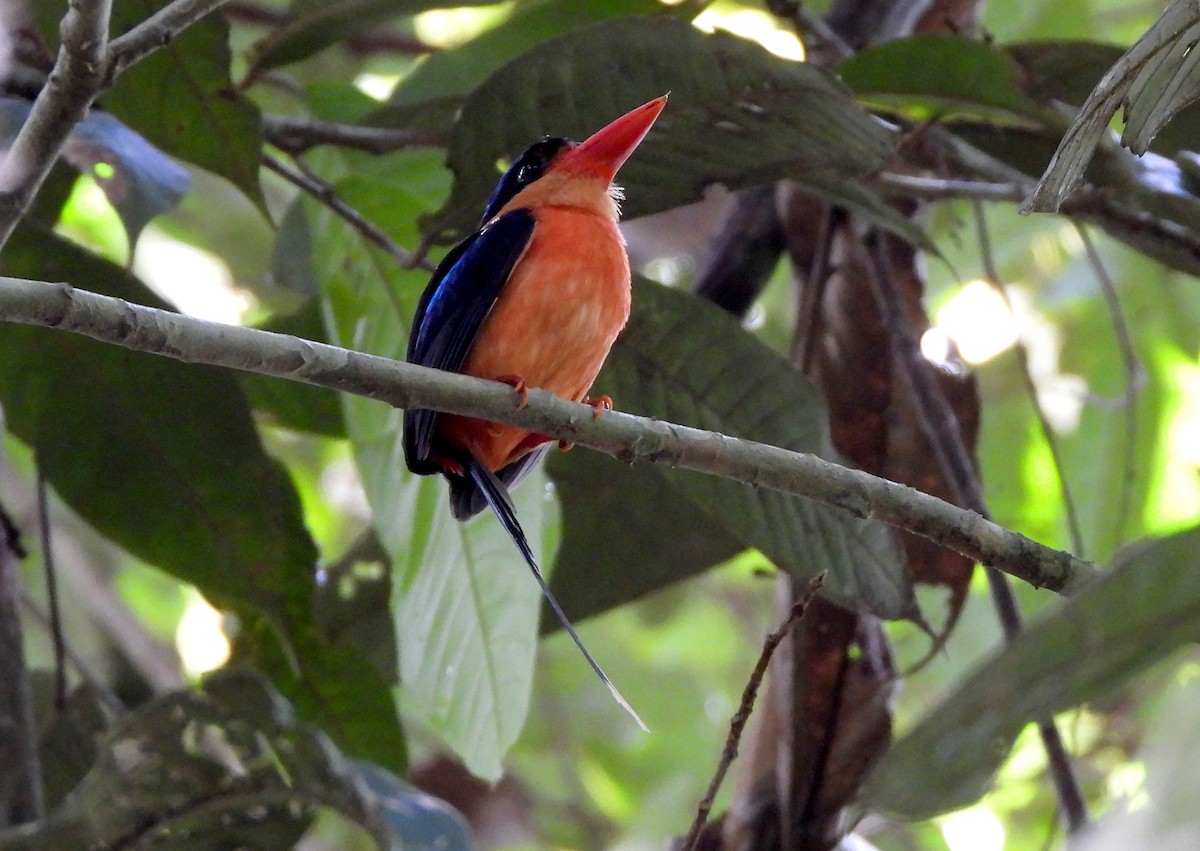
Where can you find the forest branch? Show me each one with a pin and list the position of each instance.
(87, 64)
(74, 82)
(626, 437)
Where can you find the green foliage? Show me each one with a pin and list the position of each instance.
(1079, 653)
(437, 623)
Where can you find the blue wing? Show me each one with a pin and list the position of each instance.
(452, 310)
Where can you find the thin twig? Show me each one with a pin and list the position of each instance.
(991, 274)
(375, 41)
(812, 30)
(742, 715)
(1135, 379)
(628, 438)
(297, 135)
(942, 188)
(324, 193)
(51, 575)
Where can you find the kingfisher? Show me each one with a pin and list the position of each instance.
(534, 298)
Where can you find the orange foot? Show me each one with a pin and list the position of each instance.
(517, 383)
(599, 405)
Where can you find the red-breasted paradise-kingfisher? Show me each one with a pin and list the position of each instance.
(534, 298)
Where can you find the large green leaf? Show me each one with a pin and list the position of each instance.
(182, 100)
(631, 530)
(1144, 608)
(928, 76)
(738, 115)
(163, 458)
(465, 607)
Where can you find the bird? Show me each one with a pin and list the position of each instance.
(535, 297)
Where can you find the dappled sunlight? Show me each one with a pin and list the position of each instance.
(449, 27)
(973, 829)
(200, 638)
(755, 25)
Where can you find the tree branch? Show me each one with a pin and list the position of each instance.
(73, 84)
(297, 135)
(628, 438)
(87, 64)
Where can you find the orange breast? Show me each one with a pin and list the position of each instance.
(553, 325)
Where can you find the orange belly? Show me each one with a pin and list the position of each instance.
(553, 325)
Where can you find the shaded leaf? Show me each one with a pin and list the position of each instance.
(181, 99)
(1094, 642)
(663, 366)
(464, 605)
(738, 115)
(228, 766)
(931, 76)
(1147, 71)
(138, 179)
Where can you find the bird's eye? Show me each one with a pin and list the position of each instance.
(528, 174)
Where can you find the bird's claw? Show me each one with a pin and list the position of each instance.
(517, 383)
(599, 405)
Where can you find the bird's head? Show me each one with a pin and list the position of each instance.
(562, 172)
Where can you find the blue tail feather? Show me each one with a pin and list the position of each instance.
(497, 496)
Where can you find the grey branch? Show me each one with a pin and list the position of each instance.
(628, 438)
(74, 82)
(87, 64)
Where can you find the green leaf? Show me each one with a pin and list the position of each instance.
(738, 115)
(464, 604)
(631, 530)
(1145, 607)
(289, 403)
(317, 24)
(930, 76)
(181, 99)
